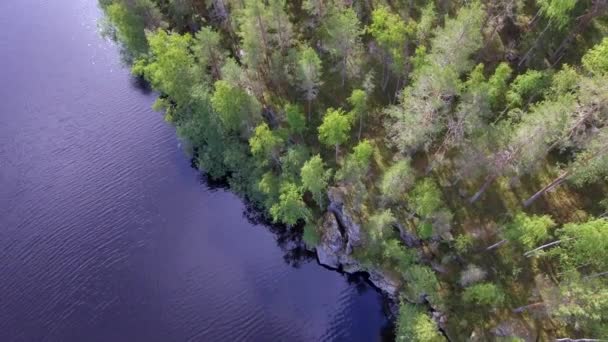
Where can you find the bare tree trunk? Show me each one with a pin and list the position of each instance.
(555, 183)
(309, 101)
(526, 307)
(529, 253)
(489, 180)
(598, 8)
(337, 150)
(527, 55)
(496, 245)
(596, 275)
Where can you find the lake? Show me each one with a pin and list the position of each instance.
(106, 231)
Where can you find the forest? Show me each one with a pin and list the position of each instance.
(479, 127)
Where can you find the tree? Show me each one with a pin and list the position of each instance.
(529, 230)
(291, 208)
(397, 180)
(253, 30)
(416, 326)
(425, 201)
(557, 10)
(315, 178)
(391, 33)
(209, 52)
(335, 128)
(461, 36)
(235, 107)
(357, 163)
(170, 66)
(129, 21)
(526, 88)
(265, 144)
(529, 141)
(309, 74)
(425, 198)
(425, 105)
(497, 85)
(343, 39)
(595, 60)
(485, 294)
(295, 118)
(358, 101)
(584, 244)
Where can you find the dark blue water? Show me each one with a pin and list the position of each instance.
(108, 234)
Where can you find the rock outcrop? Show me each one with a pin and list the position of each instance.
(340, 235)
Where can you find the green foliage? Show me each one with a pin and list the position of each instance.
(391, 33)
(414, 325)
(170, 66)
(342, 38)
(379, 225)
(595, 60)
(265, 143)
(463, 243)
(529, 230)
(291, 208)
(485, 294)
(422, 283)
(557, 10)
(309, 72)
(292, 162)
(460, 37)
(424, 27)
(315, 178)
(425, 198)
(497, 85)
(425, 104)
(209, 51)
(585, 244)
(357, 163)
(564, 82)
(335, 128)
(526, 87)
(295, 118)
(129, 21)
(243, 81)
(583, 303)
(397, 180)
(235, 107)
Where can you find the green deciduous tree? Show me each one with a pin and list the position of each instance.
(529, 230)
(236, 108)
(497, 85)
(391, 33)
(265, 144)
(595, 60)
(486, 294)
(170, 66)
(291, 208)
(315, 178)
(414, 325)
(527, 87)
(334, 130)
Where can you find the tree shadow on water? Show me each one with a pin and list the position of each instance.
(289, 240)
